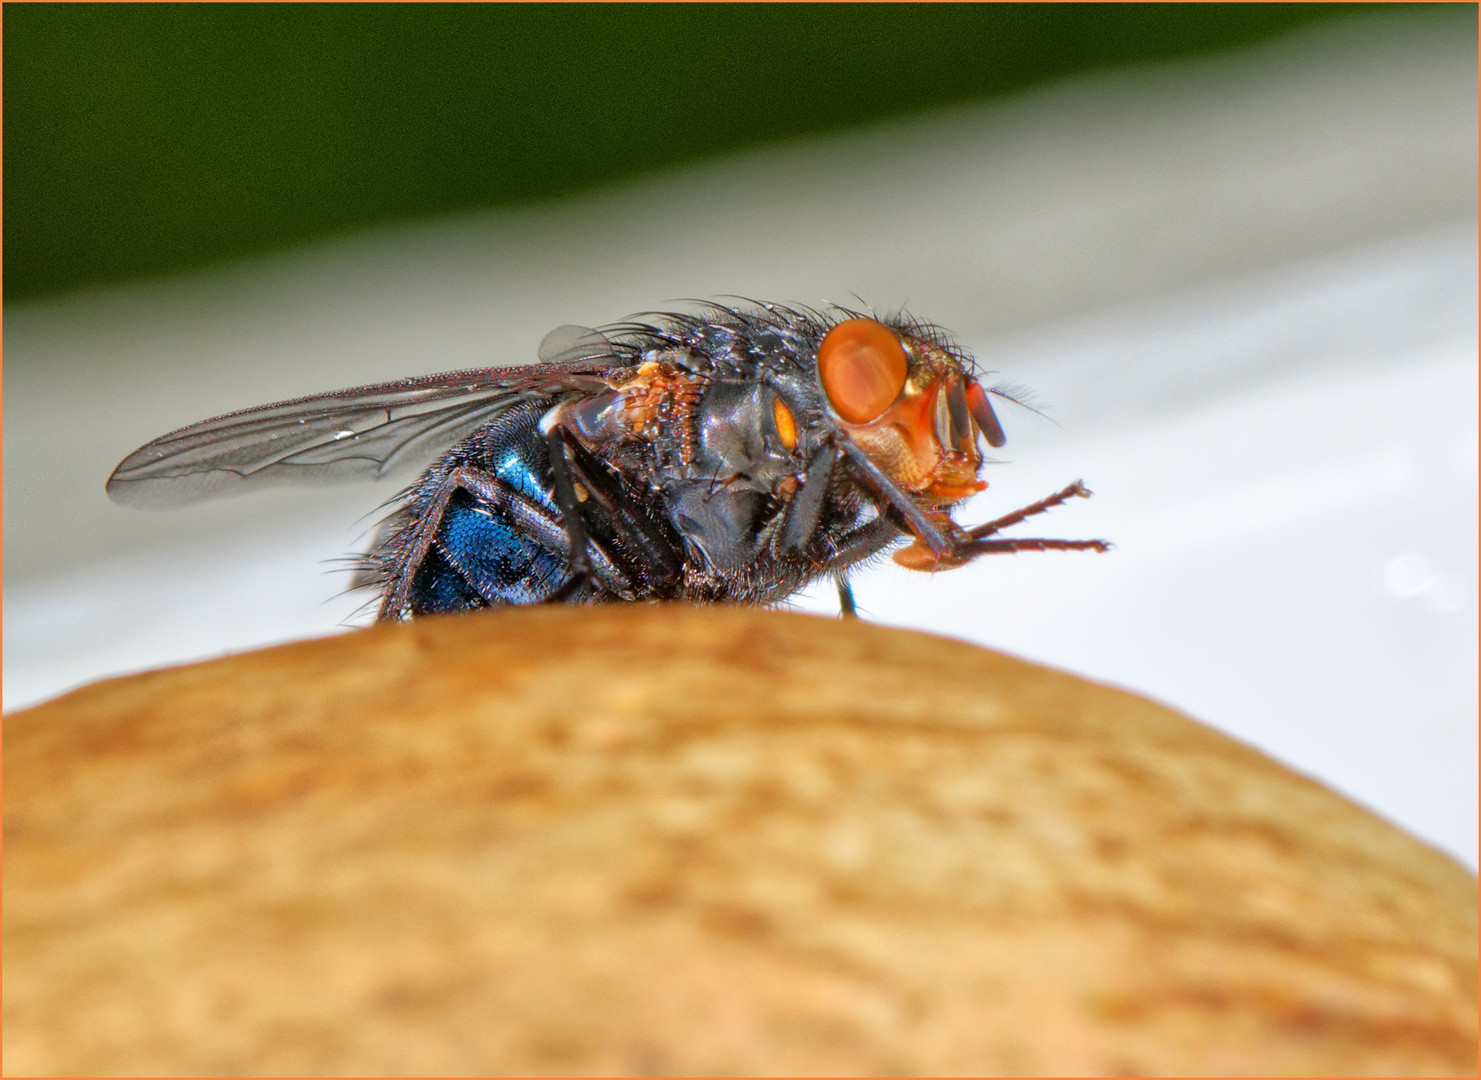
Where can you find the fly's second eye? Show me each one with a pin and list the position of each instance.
(862, 366)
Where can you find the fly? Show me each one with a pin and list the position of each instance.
(734, 455)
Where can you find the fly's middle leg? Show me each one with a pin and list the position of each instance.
(847, 609)
(565, 498)
(653, 558)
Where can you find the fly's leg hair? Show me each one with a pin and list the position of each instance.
(528, 517)
(607, 504)
(868, 539)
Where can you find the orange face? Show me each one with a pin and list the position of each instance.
(909, 405)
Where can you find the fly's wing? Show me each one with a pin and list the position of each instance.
(569, 343)
(363, 433)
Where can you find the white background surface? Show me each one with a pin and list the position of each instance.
(1244, 288)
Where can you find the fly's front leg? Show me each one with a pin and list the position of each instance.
(1077, 490)
(970, 543)
(991, 547)
(531, 519)
(890, 499)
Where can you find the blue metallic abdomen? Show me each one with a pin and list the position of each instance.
(478, 559)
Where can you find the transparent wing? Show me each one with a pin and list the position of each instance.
(569, 342)
(363, 433)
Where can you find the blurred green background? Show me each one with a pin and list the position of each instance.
(143, 139)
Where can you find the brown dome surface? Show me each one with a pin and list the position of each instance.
(697, 841)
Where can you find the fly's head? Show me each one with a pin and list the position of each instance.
(910, 404)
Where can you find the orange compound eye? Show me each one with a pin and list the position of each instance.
(862, 366)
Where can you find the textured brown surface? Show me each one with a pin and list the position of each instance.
(697, 841)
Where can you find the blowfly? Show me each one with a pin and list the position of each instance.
(735, 454)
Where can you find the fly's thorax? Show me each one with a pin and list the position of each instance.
(747, 434)
(655, 404)
(723, 524)
(745, 467)
(723, 452)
